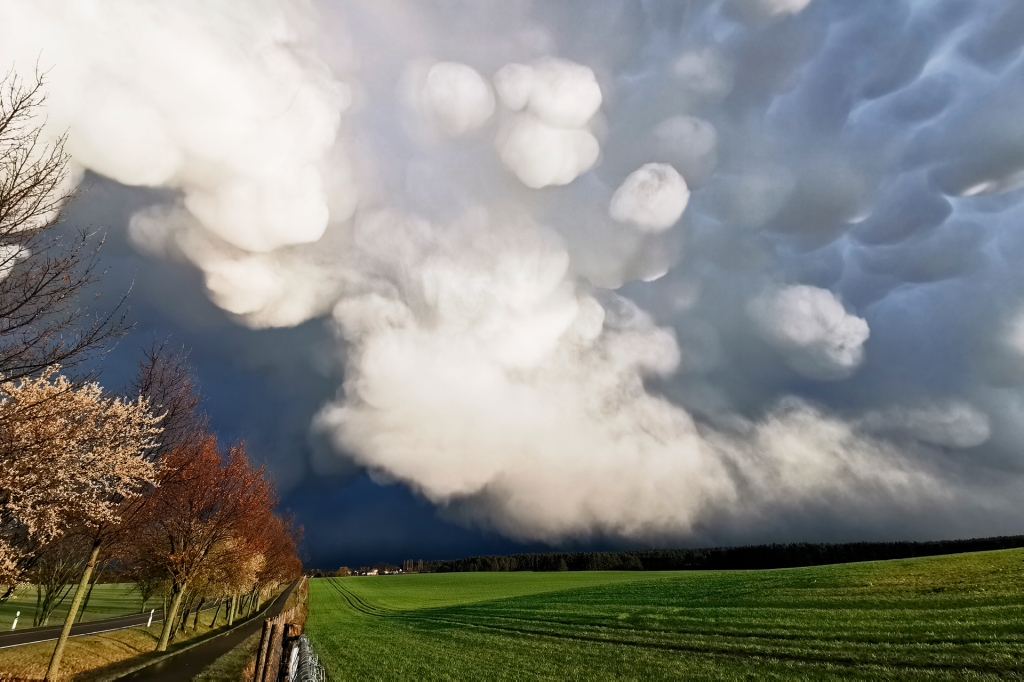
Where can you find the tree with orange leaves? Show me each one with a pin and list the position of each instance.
(205, 511)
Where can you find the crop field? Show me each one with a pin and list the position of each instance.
(107, 601)
(953, 617)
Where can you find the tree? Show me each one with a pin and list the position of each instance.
(201, 514)
(165, 379)
(42, 273)
(54, 573)
(68, 456)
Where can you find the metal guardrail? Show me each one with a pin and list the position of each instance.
(304, 665)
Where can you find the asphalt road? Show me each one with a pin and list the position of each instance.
(32, 635)
(190, 662)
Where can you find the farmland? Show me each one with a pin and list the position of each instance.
(952, 617)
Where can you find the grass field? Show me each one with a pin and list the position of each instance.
(953, 617)
(107, 601)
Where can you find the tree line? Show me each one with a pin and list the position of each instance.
(94, 481)
(719, 558)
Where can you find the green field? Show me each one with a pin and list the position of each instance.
(953, 617)
(107, 601)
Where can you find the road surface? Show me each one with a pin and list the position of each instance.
(32, 635)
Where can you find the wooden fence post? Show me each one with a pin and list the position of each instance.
(261, 652)
(273, 653)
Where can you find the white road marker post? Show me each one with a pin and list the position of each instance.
(150, 617)
(16, 617)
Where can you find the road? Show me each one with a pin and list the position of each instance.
(32, 635)
(190, 662)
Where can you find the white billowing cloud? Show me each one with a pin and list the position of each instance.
(561, 93)
(549, 143)
(489, 383)
(652, 198)
(514, 84)
(953, 424)
(541, 155)
(452, 96)
(209, 99)
(811, 329)
(217, 102)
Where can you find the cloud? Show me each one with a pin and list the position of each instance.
(562, 363)
(451, 96)
(690, 144)
(652, 198)
(559, 92)
(542, 156)
(811, 329)
(705, 74)
(549, 144)
(952, 424)
(520, 402)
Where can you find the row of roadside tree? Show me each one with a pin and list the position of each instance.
(134, 482)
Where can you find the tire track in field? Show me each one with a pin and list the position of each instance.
(356, 602)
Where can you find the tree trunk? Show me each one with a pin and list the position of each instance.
(216, 613)
(184, 613)
(89, 593)
(195, 621)
(58, 652)
(169, 619)
(36, 617)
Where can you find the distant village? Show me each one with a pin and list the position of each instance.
(408, 566)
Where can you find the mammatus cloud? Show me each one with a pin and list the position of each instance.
(557, 336)
(811, 329)
(549, 143)
(451, 96)
(652, 198)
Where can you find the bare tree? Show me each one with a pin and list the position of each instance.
(42, 273)
(166, 381)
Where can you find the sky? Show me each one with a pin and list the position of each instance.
(483, 277)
